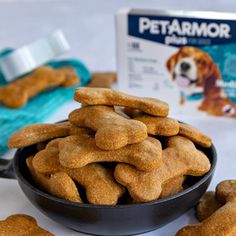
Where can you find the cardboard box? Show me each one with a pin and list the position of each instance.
(185, 58)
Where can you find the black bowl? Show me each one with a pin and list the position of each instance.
(111, 220)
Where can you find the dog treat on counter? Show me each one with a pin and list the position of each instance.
(37, 133)
(98, 181)
(17, 93)
(22, 225)
(222, 221)
(112, 130)
(78, 151)
(179, 158)
(226, 189)
(207, 205)
(195, 135)
(59, 184)
(105, 96)
(102, 79)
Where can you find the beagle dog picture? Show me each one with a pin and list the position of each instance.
(196, 75)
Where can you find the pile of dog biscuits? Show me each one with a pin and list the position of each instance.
(149, 154)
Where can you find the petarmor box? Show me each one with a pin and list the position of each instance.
(185, 58)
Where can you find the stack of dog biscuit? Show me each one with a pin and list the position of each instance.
(149, 154)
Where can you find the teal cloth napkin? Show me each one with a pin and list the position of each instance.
(42, 106)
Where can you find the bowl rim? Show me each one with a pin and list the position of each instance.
(17, 159)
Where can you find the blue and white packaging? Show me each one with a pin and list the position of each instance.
(185, 58)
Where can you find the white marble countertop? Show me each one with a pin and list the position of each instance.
(89, 26)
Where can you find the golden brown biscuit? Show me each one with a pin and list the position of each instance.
(37, 133)
(78, 151)
(179, 158)
(17, 93)
(46, 161)
(105, 96)
(195, 135)
(221, 222)
(70, 76)
(21, 225)
(226, 188)
(172, 186)
(98, 181)
(162, 126)
(207, 205)
(59, 184)
(41, 133)
(112, 130)
(73, 130)
(102, 79)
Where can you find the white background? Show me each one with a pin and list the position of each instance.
(89, 26)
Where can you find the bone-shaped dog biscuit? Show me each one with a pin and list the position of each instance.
(207, 205)
(112, 130)
(179, 158)
(37, 133)
(195, 135)
(77, 151)
(101, 187)
(17, 93)
(98, 181)
(58, 184)
(223, 221)
(162, 126)
(46, 161)
(226, 189)
(21, 225)
(105, 96)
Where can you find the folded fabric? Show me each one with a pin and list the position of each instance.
(42, 106)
